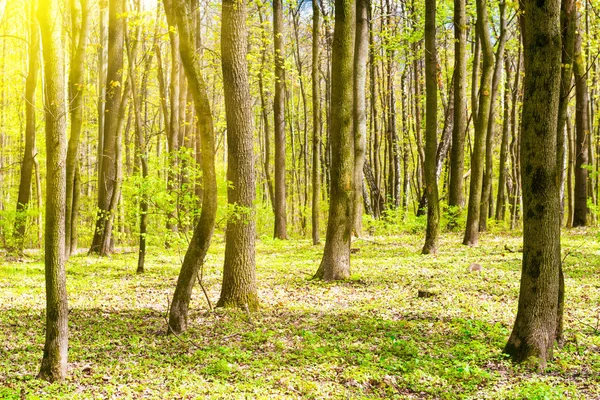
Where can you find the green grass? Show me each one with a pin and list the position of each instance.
(370, 336)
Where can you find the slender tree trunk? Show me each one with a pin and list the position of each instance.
(24, 196)
(431, 186)
(335, 263)
(457, 158)
(483, 112)
(582, 134)
(279, 114)
(239, 275)
(503, 168)
(361, 53)
(80, 31)
(316, 104)
(487, 195)
(108, 184)
(54, 362)
(534, 331)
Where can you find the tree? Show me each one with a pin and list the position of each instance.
(361, 53)
(582, 132)
(239, 275)
(30, 151)
(279, 114)
(54, 362)
(179, 12)
(431, 186)
(316, 103)
(108, 179)
(481, 122)
(80, 32)
(335, 263)
(534, 331)
(457, 158)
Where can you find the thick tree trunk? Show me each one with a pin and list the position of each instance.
(481, 122)
(80, 30)
(431, 186)
(335, 263)
(279, 115)
(361, 53)
(316, 103)
(54, 362)
(30, 152)
(534, 331)
(239, 275)
(108, 181)
(196, 253)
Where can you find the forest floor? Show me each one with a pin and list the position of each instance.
(370, 336)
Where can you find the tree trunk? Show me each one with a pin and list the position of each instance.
(180, 13)
(239, 275)
(431, 186)
(503, 168)
(335, 263)
(582, 134)
(54, 362)
(534, 331)
(361, 53)
(316, 103)
(108, 184)
(80, 31)
(30, 152)
(487, 195)
(481, 122)
(279, 115)
(457, 158)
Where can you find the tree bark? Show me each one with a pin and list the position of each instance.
(316, 103)
(54, 361)
(534, 331)
(431, 187)
(361, 53)
(335, 263)
(471, 237)
(239, 275)
(279, 115)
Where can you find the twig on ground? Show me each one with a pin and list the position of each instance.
(199, 277)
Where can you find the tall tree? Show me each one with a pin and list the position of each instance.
(108, 180)
(179, 12)
(582, 131)
(361, 53)
(54, 362)
(534, 331)
(457, 158)
(239, 274)
(316, 104)
(80, 32)
(279, 115)
(431, 185)
(335, 263)
(30, 151)
(481, 122)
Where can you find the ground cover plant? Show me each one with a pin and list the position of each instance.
(370, 336)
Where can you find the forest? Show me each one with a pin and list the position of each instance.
(299, 199)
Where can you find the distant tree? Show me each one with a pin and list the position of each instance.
(431, 185)
(29, 153)
(335, 263)
(54, 362)
(534, 332)
(316, 110)
(239, 275)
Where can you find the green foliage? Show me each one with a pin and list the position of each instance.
(367, 337)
